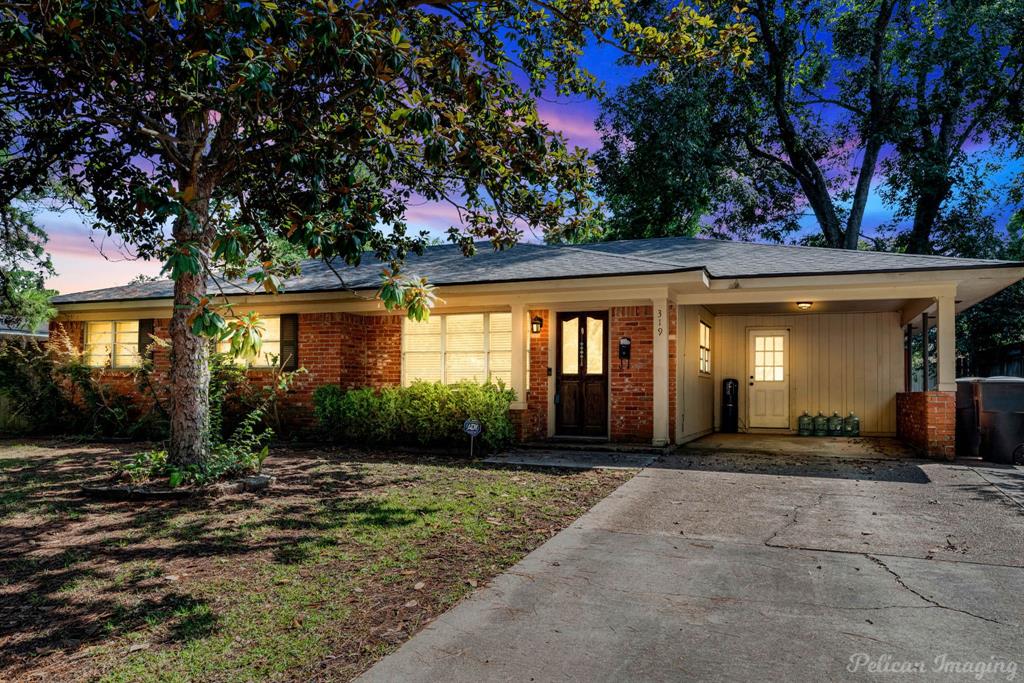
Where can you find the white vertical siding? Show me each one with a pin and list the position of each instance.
(839, 362)
(697, 400)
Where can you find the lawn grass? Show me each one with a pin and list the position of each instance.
(346, 557)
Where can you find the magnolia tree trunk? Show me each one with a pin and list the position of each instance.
(190, 370)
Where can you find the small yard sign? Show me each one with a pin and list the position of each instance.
(472, 427)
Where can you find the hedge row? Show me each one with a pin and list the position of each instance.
(424, 413)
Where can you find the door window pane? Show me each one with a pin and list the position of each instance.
(769, 359)
(595, 346)
(571, 346)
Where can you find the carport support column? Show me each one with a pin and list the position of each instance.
(660, 390)
(946, 342)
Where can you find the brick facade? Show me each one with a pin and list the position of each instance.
(334, 348)
(632, 386)
(354, 351)
(927, 421)
(532, 423)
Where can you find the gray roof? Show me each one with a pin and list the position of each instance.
(445, 265)
(16, 329)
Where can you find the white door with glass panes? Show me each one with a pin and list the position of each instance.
(768, 380)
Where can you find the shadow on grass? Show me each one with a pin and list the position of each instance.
(75, 572)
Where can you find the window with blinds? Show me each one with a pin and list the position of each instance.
(112, 343)
(705, 348)
(471, 347)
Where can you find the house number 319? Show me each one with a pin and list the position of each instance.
(661, 321)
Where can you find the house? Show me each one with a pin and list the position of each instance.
(625, 341)
(14, 331)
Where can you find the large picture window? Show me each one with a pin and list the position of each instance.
(112, 344)
(705, 348)
(453, 348)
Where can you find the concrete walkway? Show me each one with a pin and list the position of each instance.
(580, 460)
(724, 567)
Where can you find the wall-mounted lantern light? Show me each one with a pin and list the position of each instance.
(803, 305)
(536, 324)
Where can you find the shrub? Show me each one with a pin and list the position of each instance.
(51, 390)
(240, 454)
(425, 413)
(34, 400)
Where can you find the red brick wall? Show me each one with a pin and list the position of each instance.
(927, 421)
(532, 423)
(632, 399)
(334, 348)
(383, 357)
(68, 335)
(353, 351)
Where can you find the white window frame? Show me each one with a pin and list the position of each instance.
(702, 367)
(444, 345)
(112, 357)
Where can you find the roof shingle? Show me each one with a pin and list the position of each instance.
(445, 265)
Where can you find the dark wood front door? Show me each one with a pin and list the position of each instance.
(581, 398)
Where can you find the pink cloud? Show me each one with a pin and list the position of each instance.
(431, 215)
(83, 263)
(78, 273)
(576, 122)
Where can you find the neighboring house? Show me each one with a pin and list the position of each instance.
(802, 329)
(22, 334)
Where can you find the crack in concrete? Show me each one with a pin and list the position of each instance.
(792, 522)
(934, 603)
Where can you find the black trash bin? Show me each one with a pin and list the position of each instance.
(730, 406)
(1000, 408)
(968, 439)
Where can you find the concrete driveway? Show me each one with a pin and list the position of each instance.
(729, 567)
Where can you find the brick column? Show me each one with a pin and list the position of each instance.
(532, 423)
(926, 420)
(632, 385)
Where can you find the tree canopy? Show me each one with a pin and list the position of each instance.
(199, 131)
(24, 264)
(840, 98)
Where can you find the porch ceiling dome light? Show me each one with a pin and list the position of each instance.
(803, 305)
(536, 324)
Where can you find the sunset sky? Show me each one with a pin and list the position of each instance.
(86, 260)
